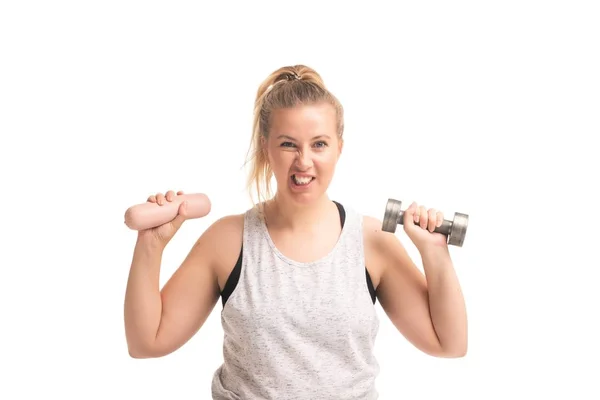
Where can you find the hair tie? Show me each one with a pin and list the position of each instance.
(293, 75)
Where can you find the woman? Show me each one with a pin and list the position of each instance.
(298, 274)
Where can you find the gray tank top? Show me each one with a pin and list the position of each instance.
(299, 330)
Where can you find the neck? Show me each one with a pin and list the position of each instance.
(297, 217)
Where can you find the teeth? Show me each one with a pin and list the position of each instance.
(302, 180)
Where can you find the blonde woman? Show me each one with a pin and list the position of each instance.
(298, 274)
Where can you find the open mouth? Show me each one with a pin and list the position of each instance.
(302, 180)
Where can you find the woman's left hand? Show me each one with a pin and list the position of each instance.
(419, 224)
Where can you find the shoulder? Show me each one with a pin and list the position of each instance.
(227, 225)
(371, 225)
(375, 238)
(383, 248)
(221, 244)
(226, 230)
(222, 236)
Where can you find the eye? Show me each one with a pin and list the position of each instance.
(321, 144)
(287, 144)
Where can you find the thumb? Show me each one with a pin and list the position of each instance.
(181, 215)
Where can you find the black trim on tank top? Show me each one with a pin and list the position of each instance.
(234, 277)
(369, 281)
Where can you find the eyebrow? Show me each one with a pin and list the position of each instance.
(291, 138)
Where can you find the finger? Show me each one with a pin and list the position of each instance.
(439, 219)
(170, 195)
(180, 193)
(423, 217)
(432, 219)
(409, 215)
(152, 198)
(160, 199)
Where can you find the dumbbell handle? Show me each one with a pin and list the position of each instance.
(445, 228)
(454, 230)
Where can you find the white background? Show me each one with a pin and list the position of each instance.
(487, 108)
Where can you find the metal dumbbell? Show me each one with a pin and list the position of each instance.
(455, 230)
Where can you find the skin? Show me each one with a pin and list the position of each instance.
(427, 309)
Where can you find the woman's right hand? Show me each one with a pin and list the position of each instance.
(165, 232)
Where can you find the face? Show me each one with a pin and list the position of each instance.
(303, 150)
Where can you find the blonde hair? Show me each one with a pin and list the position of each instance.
(286, 87)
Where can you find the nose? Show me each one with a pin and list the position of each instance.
(303, 160)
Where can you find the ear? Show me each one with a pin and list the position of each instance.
(340, 146)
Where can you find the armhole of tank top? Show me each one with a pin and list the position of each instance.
(234, 275)
(370, 286)
(233, 278)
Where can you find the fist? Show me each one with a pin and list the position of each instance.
(420, 223)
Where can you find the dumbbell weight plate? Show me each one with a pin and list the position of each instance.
(459, 229)
(392, 215)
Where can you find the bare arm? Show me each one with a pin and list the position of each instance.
(159, 322)
(427, 309)
(446, 302)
